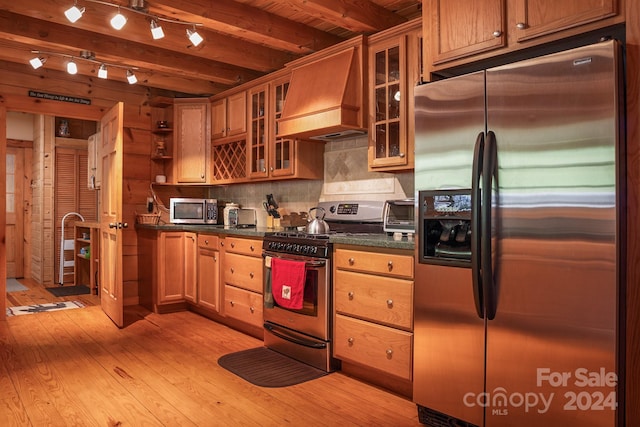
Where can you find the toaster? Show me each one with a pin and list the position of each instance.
(399, 216)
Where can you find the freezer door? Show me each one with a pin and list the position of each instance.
(551, 348)
(448, 334)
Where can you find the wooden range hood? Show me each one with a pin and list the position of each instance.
(326, 98)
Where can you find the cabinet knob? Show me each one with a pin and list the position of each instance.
(233, 245)
(222, 243)
(231, 269)
(350, 340)
(389, 353)
(389, 303)
(402, 155)
(206, 242)
(521, 25)
(251, 309)
(215, 259)
(231, 303)
(251, 274)
(350, 294)
(390, 265)
(252, 248)
(351, 261)
(497, 33)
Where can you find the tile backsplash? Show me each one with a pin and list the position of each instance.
(345, 178)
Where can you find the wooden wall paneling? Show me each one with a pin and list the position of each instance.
(632, 385)
(3, 213)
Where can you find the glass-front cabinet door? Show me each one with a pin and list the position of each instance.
(282, 152)
(388, 139)
(258, 132)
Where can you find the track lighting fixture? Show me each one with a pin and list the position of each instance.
(194, 37)
(131, 78)
(37, 62)
(118, 21)
(85, 55)
(102, 71)
(72, 68)
(156, 30)
(136, 6)
(74, 13)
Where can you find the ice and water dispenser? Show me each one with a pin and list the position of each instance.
(445, 227)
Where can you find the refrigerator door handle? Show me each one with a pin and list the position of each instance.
(489, 161)
(476, 226)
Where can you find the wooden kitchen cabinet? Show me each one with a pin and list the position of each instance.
(258, 137)
(462, 31)
(176, 265)
(395, 68)
(373, 305)
(229, 116)
(242, 277)
(192, 151)
(208, 289)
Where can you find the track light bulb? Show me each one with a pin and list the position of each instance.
(72, 68)
(156, 30)
(194, 37)
(74, 13)
(118, 21)
(102, 71)
(37, 62)
(131, 78)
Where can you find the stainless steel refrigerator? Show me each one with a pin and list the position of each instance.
(520, 244)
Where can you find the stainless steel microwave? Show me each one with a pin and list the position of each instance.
(193, 211)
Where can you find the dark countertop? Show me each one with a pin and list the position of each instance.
(371, 240)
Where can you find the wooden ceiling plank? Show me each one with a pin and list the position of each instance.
(249, 23)
(41, 35)
(217, 46)
(360, 16)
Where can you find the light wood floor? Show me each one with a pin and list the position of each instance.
(75, 368)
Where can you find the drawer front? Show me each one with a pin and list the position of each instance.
(208, 241)
(377, 263)
(381, 299)
(243, 271)
(380, 347)
(249, 247)
(243, 305)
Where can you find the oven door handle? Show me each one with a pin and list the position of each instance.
(296, 340)
(319, 263)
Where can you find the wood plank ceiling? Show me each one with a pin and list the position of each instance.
(243, 39)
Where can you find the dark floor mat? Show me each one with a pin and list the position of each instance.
(267, 368)
(65, 291)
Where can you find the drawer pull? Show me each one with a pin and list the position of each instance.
(215, 259)
(206, 242)
(231, 303)
(389, 353)
(350, 341)
(351, 261)
(390, 303)
(252, 248)
(350, 294)
(231, 270)
(390, 265)
(222, 243)
(251, 274)
(252, 309)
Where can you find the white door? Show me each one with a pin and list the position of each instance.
(110, 158)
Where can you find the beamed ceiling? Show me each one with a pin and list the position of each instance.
(243, 39)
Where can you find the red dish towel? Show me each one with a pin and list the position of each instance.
(287, 282)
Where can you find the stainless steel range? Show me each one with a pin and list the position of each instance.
(304, 330)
